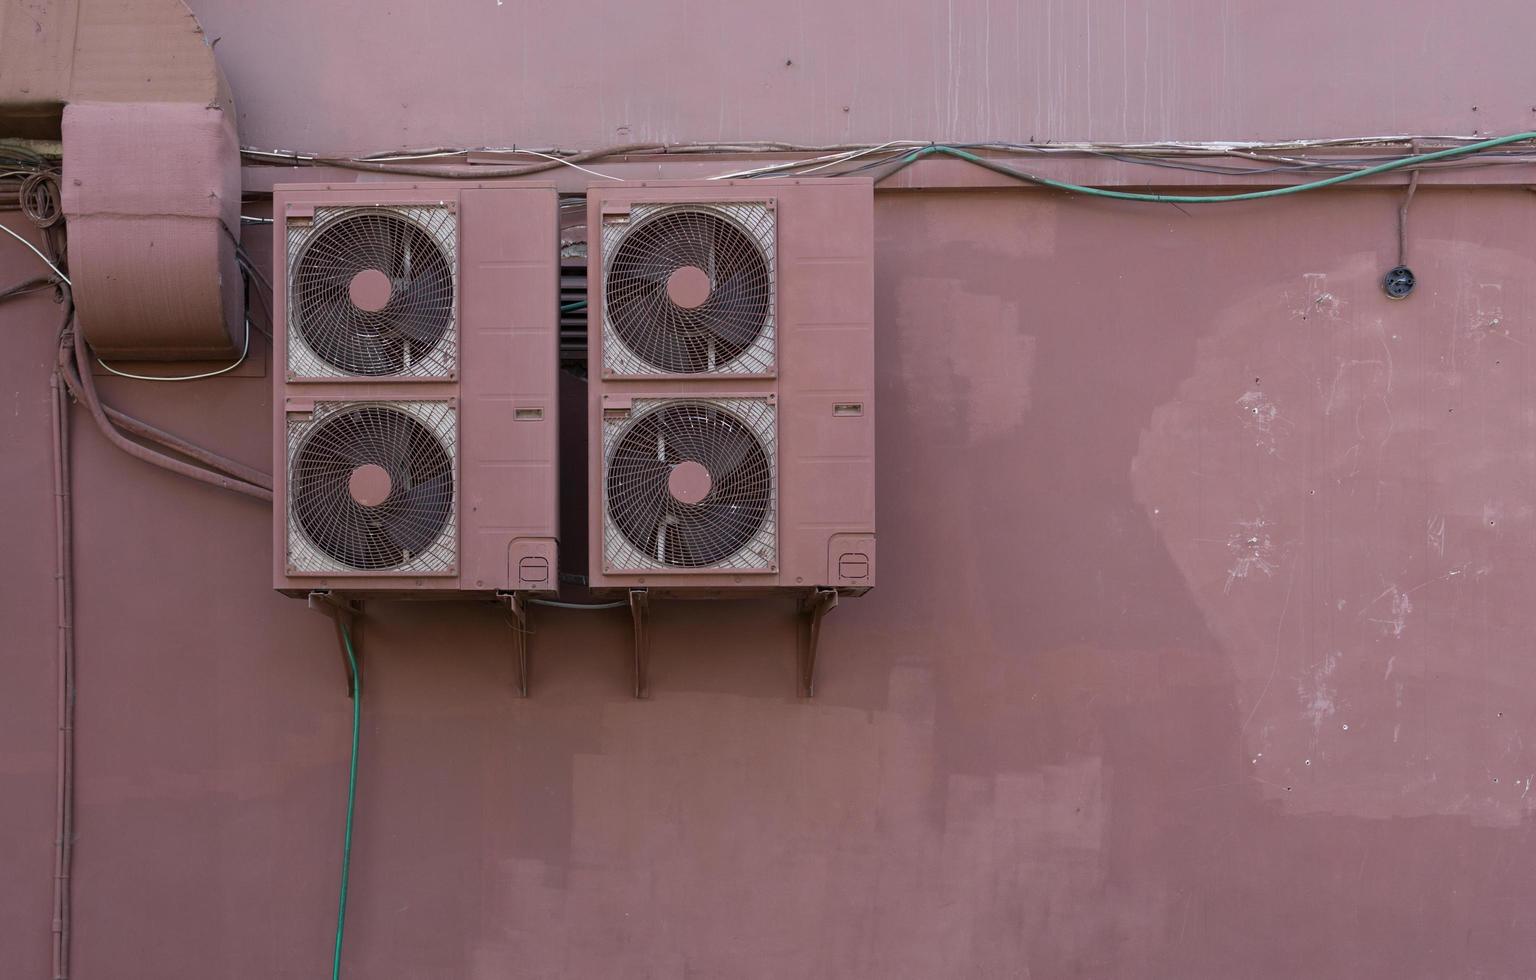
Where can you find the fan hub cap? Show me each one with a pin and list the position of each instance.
(370, 485)
(689, 482)
(370, 290)
(688, 287)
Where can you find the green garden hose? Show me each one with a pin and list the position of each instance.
(346, 846)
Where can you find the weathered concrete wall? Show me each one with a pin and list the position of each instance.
(1200, 648)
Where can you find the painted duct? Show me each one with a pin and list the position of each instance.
(151, 187)
(152, 200)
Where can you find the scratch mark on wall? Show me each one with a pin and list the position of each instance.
(1401, 607)
(1316, 300)
(1436, 532)
(1253, 549)
(1319, 696)
(1275, 663)
(1261, 416)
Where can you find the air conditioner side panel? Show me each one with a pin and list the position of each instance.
(827, 380)
(508, 384)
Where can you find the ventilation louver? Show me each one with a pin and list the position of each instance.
(371, 488)
(689, 289)
(690, 484)
(372, 293)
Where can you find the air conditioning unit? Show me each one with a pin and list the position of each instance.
(732, 440)
(416, 347)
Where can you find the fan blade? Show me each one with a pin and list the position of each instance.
(420, 332)
(637, 474)
(415, 314)
(729, 450)
(637, 493)
(730, 313)
(414, 518)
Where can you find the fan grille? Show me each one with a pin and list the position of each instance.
(722, 322)
(407, 329)
(402, 456)
(690, 484)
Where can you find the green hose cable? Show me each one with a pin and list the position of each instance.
(578, 305)
(1380, 168)
(346, 846)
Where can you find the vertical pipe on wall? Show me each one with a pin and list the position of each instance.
(64, 804)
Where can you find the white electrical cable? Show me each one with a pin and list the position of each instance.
(246, 349)
(46, 261)
(573, 166)
(188, 377)
(772, 168)
(853, 155)
(827, 160)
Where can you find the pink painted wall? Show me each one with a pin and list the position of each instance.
(1201, 647)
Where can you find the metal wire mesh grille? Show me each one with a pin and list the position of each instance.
(729, 523)
(408, 525)
(411, 333)
(730, 330)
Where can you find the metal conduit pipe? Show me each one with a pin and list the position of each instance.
(93, 403)
(171, 441)
(64, 794)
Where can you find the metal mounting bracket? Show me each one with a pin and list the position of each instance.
(813, 607)
(518, 609)
(639, 611)
(348, 613)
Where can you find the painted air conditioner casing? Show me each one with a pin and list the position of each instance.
(497, 388)
(816, 382)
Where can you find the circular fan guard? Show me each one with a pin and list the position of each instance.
(409, 325)
(699, 337)
(642, 505)
(411, 517)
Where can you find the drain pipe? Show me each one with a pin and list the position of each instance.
(167, 440)
(82, 361)
(64, 575)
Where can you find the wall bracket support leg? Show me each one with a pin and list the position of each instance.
(346, 613)
(639, 611)
(813, 608)
(518, 609)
